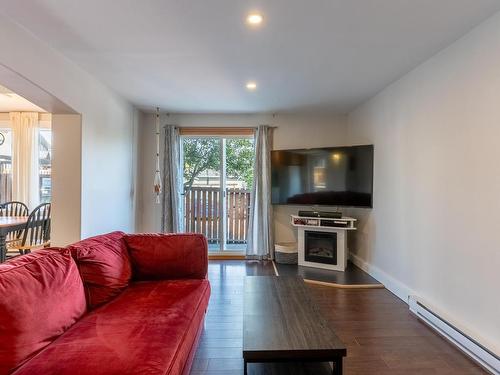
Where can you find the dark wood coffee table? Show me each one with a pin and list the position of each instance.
(282, 324)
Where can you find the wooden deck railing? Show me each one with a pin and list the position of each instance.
(202, 213)
(5, 183)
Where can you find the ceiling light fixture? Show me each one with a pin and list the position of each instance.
(251, 86)
(254, 19)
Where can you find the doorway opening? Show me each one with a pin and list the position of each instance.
(218, 177)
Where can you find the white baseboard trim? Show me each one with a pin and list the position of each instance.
(399, 289)
(471, 347)
(454, 335)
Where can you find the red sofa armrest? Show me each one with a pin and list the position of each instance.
(168, 256)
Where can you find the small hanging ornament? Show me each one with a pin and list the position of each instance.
(157, 179)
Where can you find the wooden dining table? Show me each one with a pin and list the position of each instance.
(9, 224)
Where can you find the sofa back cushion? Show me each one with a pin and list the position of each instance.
(41, 297)
(104, 266)
(168, 256)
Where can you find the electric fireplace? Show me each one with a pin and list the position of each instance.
(322, 243)
(320, 247)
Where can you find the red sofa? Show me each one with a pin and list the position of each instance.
(111, 304)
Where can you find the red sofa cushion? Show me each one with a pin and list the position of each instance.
(41, 297)
(168, 256)
(104, 266)
(151, 328)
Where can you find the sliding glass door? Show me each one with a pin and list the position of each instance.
(202, 187)
(218, 176)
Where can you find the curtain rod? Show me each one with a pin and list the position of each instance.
(206, 130)
(220, 127)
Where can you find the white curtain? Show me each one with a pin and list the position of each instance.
(171, 218)
(25, 149)
(260, 243)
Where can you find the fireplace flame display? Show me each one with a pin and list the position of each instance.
(321, 252)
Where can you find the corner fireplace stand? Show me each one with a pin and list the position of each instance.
(326, 253)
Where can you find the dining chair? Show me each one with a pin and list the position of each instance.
(13, 208)
(36, 232)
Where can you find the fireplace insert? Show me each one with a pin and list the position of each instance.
(320, 247)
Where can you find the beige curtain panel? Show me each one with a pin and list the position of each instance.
(25, 149)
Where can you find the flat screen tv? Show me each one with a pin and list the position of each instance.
(336, 176)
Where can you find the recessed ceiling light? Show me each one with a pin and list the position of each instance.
(254, 19)
(251, 85)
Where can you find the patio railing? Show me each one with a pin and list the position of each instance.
(202, 213)
(5, 183)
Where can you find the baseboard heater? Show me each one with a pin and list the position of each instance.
(485, 357)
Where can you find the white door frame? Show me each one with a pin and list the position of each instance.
(222, 191)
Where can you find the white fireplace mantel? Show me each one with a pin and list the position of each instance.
(339, 226)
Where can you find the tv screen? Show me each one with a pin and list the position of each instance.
(336, 176)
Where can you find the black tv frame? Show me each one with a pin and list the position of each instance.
(332, 205)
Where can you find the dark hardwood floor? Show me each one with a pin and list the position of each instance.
(381, 335)
(353, 275)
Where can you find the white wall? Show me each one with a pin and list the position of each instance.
(293, 131)
(107, 122)
(434, 230)
(66, 178)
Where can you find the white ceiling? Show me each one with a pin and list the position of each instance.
(196, 55)
(10, 102)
